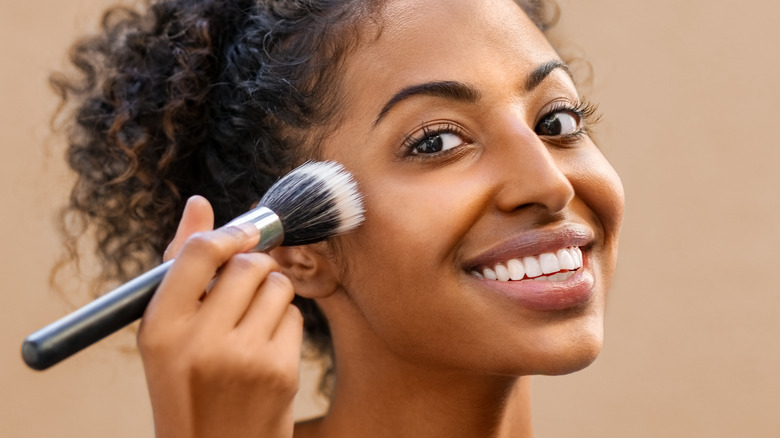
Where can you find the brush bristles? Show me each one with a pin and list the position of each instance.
(315, 201)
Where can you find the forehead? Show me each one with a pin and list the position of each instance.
(411, 19)
(416, 41)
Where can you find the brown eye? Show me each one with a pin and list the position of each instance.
(437, 143)
(559, 123)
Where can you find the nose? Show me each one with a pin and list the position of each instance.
(528, 173)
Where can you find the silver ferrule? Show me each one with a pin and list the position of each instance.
(267, 222)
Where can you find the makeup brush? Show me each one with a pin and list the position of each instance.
(315, 201)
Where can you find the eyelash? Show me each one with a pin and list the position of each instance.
(585, 111)
(413, 141)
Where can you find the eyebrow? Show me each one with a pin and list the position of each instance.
(540, 73)
(452, 90)
(462, 92)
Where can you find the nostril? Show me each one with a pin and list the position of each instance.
(536, 182)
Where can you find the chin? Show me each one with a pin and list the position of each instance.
(560, 350)
(553, 363)
(573, 356)
(569, 365)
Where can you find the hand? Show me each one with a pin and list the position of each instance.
(222, 363)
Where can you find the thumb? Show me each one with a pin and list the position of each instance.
(197, 216)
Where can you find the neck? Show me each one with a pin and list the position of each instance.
(379, 395)
(443, 404)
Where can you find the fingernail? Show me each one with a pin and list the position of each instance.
(276, 274)
(278, 277)
(245, 231)
(249, 229)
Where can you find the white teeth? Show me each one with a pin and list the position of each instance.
(577, 255)
(557, 266)
(532, 267)
(502, 273)
(516, 269)
(565, 259)
(549, 263)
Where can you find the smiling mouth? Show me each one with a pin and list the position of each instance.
(549, 266)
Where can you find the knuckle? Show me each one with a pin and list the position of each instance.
(274, 375)
(281, 377)
(294, 313)
(145, 344)
(245, 262)
(254, 264)
(266, 260)
(150, 345)
(288, 384)
(254, 260)
(205, 363)
(281, 283)
(201, 243)
(238, 363)
(168, 253)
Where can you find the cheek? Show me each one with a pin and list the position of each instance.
(401, 260)
(597, 183)
(418, 219)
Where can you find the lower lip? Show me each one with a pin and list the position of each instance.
(573, 292)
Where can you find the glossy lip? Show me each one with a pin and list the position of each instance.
(532, 243)
(575, 291)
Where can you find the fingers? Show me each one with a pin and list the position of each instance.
(246, 291)
(196, 265)
(290, 329)
(206, 359)
(268, 309)
(197, 217)
(236, 286)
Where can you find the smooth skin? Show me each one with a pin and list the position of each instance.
(225, 363)
(423, 347)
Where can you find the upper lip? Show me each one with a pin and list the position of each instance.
(533, 242)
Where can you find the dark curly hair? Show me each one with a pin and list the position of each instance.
(210, 97)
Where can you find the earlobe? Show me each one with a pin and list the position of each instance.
(309, 267)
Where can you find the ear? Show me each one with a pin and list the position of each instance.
(311, 268)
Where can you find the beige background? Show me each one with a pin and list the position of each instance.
(690, 93)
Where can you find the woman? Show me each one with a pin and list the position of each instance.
(491, 227)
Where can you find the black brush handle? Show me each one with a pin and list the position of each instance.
(124, 304)
(93, 322)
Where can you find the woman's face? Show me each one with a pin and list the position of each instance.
(465, 134)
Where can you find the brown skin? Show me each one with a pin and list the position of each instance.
(423, 347)
(419, 344)
(203, 354)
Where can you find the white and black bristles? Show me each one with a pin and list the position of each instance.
(315, 201)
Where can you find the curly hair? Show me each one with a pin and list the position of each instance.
(211, 97)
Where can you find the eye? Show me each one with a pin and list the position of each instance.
(437, 143)
(434, 140)
(560, 123)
